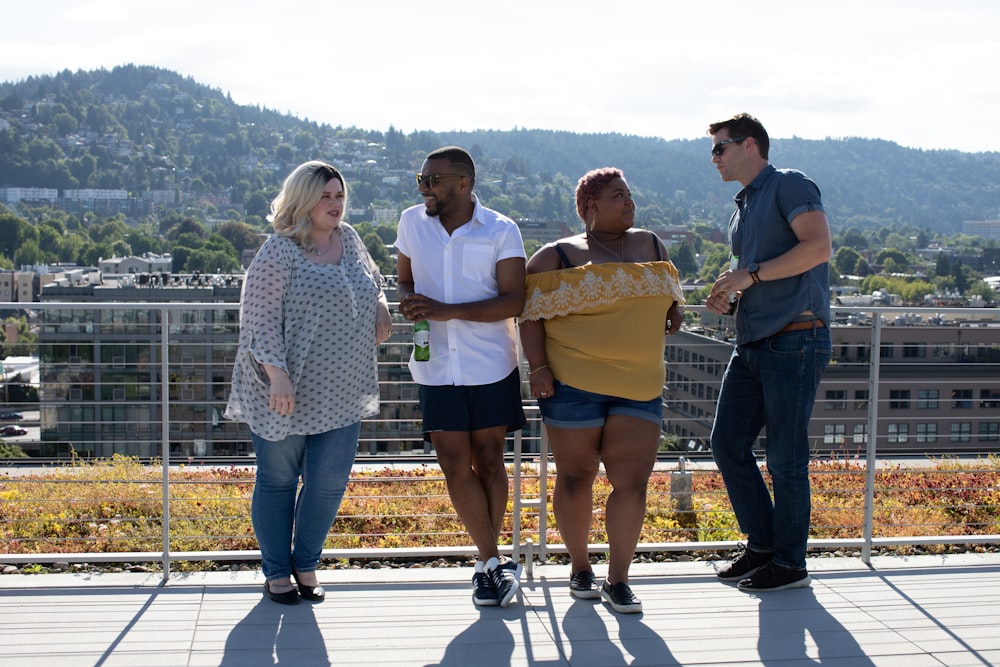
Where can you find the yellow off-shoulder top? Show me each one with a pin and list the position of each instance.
(604, 324)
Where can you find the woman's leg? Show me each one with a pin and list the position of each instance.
(272, 509)
(628, 450)
(577, 461)
(326, 468)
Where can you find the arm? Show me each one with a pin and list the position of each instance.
(814, 247)
(532, 332)
(675, 314)
(404, 276)
(262, 313)
(509, 301)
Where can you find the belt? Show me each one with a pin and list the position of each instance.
(799, 326)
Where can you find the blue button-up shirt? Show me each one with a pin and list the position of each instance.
(760, 230)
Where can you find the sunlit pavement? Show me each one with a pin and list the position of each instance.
(922, 610)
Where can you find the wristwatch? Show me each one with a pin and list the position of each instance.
(753, 268)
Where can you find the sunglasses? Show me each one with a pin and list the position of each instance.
(432, 179)
(720, 148)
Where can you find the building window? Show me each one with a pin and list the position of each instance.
(927, 432)
(914, 350)
(834, 434)
(898, 433)
(961, 431)
(861, 434)
(899, 399)
(961, 399)
(860, 399)
(989, 431)
(989, 398)
(927, 399)
(886, 351)
(836, 399)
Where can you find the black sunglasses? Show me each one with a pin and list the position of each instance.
(720, 148)
(432, 179)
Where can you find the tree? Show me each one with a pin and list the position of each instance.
(845, 259)
(241, 235)
(683, 258)
(28, 254)
(14, 232)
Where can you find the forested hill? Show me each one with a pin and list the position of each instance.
(144, 128)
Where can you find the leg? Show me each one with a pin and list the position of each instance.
(488, 465)
(326, 469)
(791, 369)
(272, 509)
(577, 458)
(739, 418)
(628, 449)
(462, 456)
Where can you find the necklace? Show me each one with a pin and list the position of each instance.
(316, 251)
(620, 256)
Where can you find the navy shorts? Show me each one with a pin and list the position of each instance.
(576, 408)
(473, 407)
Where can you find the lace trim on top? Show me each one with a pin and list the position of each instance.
(585, 288)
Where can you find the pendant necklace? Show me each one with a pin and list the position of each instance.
(621, 256)
(316, 251)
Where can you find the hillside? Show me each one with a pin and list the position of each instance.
(143, 128)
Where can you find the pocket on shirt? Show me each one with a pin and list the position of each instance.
(478, 261)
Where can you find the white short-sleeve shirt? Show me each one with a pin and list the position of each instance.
(461, 268)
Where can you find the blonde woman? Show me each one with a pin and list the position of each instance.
(312, 315)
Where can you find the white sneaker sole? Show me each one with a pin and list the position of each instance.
(622, 608)
(801, 583)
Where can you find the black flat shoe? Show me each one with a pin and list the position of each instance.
(288, 597)
(311, 593)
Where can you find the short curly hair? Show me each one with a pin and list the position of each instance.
(590, 185)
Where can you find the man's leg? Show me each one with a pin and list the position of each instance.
(739, 418)
(477, 482)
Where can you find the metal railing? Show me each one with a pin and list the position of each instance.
(148, 382)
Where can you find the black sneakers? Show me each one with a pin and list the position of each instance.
(621, 598)
(773, 577)
(583, 585)
(504, 578)
(745, 564)
(483, 593)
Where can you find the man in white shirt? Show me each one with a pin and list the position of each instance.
(461, 267)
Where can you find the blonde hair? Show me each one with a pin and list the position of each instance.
(302, 189)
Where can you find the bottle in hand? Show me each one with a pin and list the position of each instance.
(422, 340)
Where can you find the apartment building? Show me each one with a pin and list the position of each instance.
(937, 390)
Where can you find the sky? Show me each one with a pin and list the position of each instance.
(922, 74)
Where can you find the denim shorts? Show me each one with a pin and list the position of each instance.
(473, 407)
(576, 408)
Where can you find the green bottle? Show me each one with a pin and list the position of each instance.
(421, 340)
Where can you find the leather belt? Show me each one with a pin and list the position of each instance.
(799, 326)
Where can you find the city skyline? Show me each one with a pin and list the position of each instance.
(914, 73)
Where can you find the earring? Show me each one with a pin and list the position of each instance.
(592, 223)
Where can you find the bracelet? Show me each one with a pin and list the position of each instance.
(538, 369)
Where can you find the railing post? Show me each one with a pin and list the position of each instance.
(871, 458)
(165, 433)
(515, 537)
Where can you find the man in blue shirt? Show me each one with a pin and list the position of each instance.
(778, 286)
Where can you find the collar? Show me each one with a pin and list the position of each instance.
(756, 183)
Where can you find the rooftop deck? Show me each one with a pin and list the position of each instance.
(916, 611)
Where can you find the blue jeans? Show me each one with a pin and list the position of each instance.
(291, 525)
(771, 383)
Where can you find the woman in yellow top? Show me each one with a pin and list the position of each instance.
(598, 306)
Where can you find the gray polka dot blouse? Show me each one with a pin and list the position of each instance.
(317, 322)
